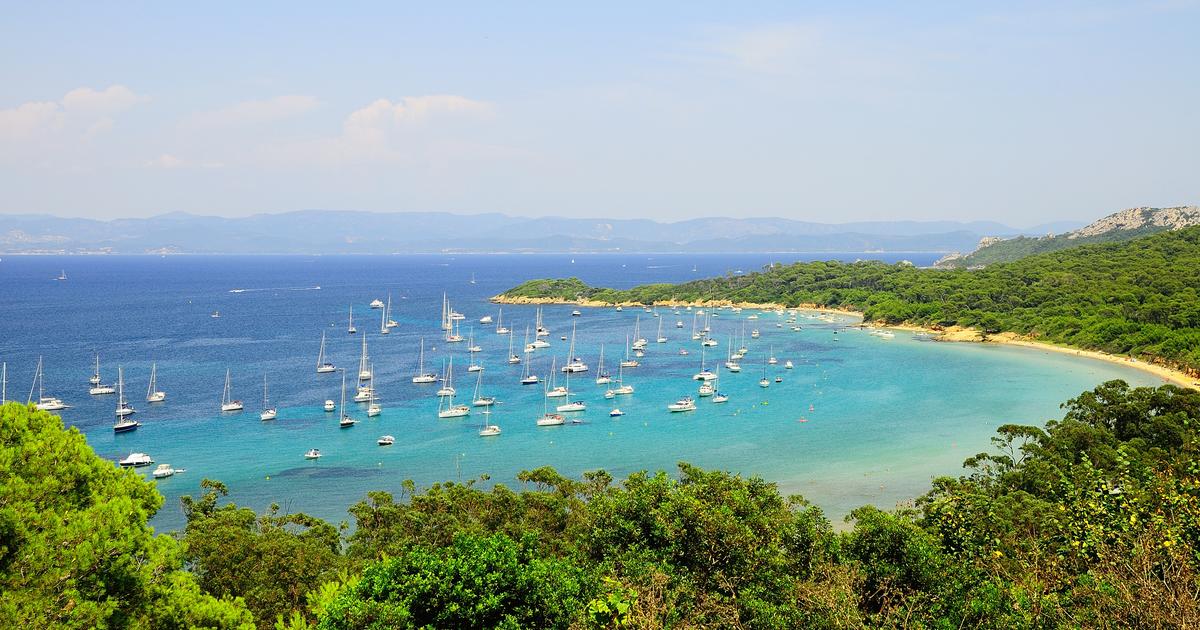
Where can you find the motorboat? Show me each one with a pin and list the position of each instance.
(330, 405)
(312, 453)
(136, 460)
(385, 440)
(683, 404)
(163, 471)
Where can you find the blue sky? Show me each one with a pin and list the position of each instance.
(1017, 112)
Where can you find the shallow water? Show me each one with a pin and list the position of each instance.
(859, 420)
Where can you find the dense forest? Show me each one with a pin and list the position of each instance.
(1011, 249)
(1091, 521)
(1139, 298)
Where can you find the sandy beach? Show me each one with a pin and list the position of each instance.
(952, 334)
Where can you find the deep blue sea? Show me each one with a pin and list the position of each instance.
(861, 419)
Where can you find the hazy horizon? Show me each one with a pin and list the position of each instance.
(1019, 113)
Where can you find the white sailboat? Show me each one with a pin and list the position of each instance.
(346, 421)
(704, 374)
(383, 327)
(772, 360)
(323, 366)
(351, 329)
(373, 406)
(602, 376)
(471, 347)
(123, 407)
(628, 362)
(527, 376)
(479, 400)
(569, 406)
(227, 401)
(513, 357)
(446, 406)
(555, 391)
(422, 376)
(98, 388)
(153, 393)
(364, 368)
(268, 412)
(44, 402)
(638, 342)
(660, 338)
(574, 363)
(549, 419)
(488, 429)
(391, 323)
(447, 388)
(622, 389)
(540, 329)
(730, 364)
(501, 329)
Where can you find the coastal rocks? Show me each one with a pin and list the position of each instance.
(1174, 218)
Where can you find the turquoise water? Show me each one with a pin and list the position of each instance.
(859, 420)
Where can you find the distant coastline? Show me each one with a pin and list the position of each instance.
(953, 334)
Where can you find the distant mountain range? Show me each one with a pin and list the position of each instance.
(338, 232)
(1119, 226)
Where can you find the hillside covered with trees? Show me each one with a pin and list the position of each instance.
(1138, 298)
(1089, 521)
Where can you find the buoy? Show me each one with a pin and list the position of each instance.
(268, 477)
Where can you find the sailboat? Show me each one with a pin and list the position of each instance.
(376, 303)
(574, 363)
(555, 391)
(628, 362)
(730, 364)
(718, 397)
(704, 374)
(268, 412)
(452, 333)
(471, 347)
(346, 420)
(660, 338)
(383, 327)
(501, 329)
(621, 389)
(763, 382)
(488, 429)
(422, 376)
(227, 402)
(772, 360)
(373, 406)
(351, 329)
(513, 357)
(602, 377)
(44, 403)
(446, 406)
(540, 329)
(638, 342)
(123, 408)
(323, 366)
(95, 378)
(447, 388)
(62, 276)
(391, 323)
(549, 419)
(527, 376)
(472, 277)
(478, 400)
(153, 394)
(364, 369)
(98, 388)
(569, 406)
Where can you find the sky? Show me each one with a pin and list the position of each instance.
(1016, 112)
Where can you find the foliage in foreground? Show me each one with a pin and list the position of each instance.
(75, 550)
(1140, 297)
(1090, 521)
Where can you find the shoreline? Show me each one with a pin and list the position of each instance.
(954, 334)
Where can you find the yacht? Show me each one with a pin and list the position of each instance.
(447, 388)
(679, 323)
(574, 363)
(487, 429)
(602, 376)
(391, 323)
(683, 404)
(364, 370)
(422, 376)
(123, 407)
(486, 319)
(513, 358)
(576, 313)
(553, 390)
(363, 393)
(268, 412)
(479, 400)
(621, 389)
(778, 379)
(704, 374)
(227, 401)
(153, 394)
(136, 460)
(569, 406)
(44, 402)
(628, 362)
(446, 406)
(330, 406)
(788, 365)
(615, 413)
(501, 329)
(312, 453)
(754, 334)
(215, 315)
(323, 366)
(527, 376)
(707, 389)
(346, 420)
(163, 471)
(549, 419)
(377, 303)
(619, 308)
(351, 329)
(719, 398)
(98, 388)
(385, 440)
